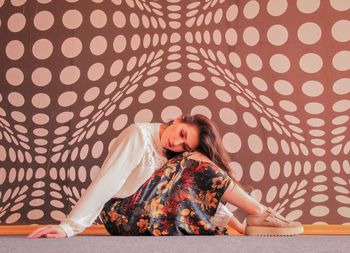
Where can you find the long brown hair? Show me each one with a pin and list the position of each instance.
(209, 141)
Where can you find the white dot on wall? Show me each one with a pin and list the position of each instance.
(237, 170)
(277, 35)
(340, 5)
(277, 7)
(309, 33)
(341, 86)
(314, 108)
(135, 42)
(95, 71)
(232, 142)
(242, 101)
(172, 92)
(259, 83)
(16, 99)
(232, 13)
(339, 120)
(173, 77)
(319, 211)
(42, 49)
(310, 63)
(14, 49)
(250, 119)
(67, 98)
(235, 59)
(199, 92)
(341, 61)
(119, 19)
(91, 94)
(144, 115)
(280, 63)
(72, 19)
(254, 62)
(251, 9)
(341, 105)
(309, 6)
(274, 170)
(196, 77)
(223, 96)
(18, 2)
(120, 122)
(231, 37)
(98, 45)
(257, 171)
(228, 116)
(97, 149)
(134, 20)
(255, 143)
(70, 75)
(71, 47)
(44, 20)
(41, 100)
(40, 119)
(288, 106)
(318, 152)
(116, 67)
(119, 44)
(312, 88)
(14, 76)
(266, 100)
(147, 96)
(201, 109)
(285, 147)
(272, 145)
(170, 112)
(16, 22)
(126, 103)
(271, 194)
(217, 37)
(98, 18)
(284, 87)
(251, 36)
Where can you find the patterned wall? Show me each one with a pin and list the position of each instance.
(274, 75)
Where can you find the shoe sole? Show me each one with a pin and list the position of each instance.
(273, 231)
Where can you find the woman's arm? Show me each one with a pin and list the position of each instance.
(124, 156)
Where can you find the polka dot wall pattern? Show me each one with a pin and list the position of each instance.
(274, 75)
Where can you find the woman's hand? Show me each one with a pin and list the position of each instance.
(51, 231)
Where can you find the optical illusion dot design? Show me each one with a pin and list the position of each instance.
(274, 75)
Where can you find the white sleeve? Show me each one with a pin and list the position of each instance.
(222, 216)
(125, 154)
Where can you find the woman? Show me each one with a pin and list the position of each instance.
(137, 152)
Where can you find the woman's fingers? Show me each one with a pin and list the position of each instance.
(36, 232)
(48, 231)
(54, 236)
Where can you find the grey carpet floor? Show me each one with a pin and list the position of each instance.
(178, 244)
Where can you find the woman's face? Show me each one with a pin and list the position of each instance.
(180, 137)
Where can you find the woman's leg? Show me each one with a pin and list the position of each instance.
(235, 195)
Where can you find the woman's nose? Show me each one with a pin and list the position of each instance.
(177, 142)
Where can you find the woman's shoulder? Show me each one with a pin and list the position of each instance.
(195, 155)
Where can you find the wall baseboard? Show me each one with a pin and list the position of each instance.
(100, 230)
